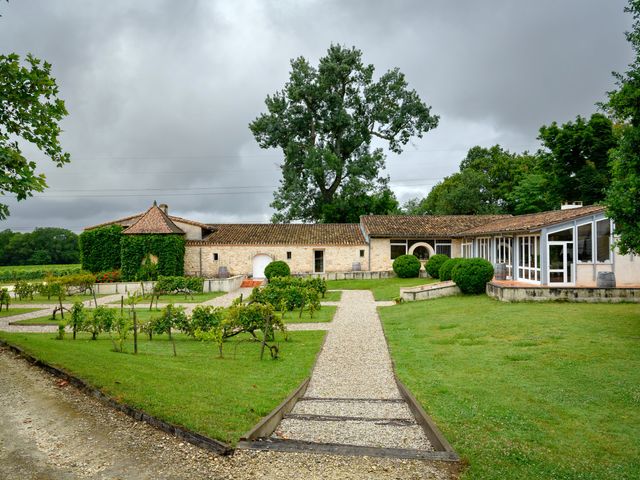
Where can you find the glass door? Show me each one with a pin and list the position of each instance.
(561, 263)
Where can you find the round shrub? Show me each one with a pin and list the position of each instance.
(407, 266)
(277, 269)
(447, 268)
(472, 274)
(434, 263)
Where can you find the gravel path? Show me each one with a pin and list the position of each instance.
(54, 432)
(352, 398)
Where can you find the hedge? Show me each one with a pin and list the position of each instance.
(277, 269)
(136, 251)
(447, 267)
(100, 249)
(472, 274)
(434, 263)
(407, 266)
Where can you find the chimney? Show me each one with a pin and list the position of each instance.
(164, 207)
(564, 206)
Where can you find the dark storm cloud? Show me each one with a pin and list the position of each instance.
(160, 92)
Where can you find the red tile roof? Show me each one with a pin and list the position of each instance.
(153, 221)
(287, 234)
(532, 222)
(423, 226)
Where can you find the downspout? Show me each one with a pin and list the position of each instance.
(200, 261)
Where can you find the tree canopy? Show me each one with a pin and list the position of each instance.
(30, 111)
(623, 196)
(43, 246)
(324, 121)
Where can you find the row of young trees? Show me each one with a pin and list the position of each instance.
(43, 246)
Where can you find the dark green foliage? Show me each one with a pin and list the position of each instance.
(30, 111)
(623, 197)
(291, 296)
(407, 266)
(78, 317)
(99, 321)
(43, 246)
(324, 121)
(100, 248)
(205, 318)
(5, 298)
(472, 274)
(434, 263)
(315, 283)
(277, 269)
(136, 251)
(447, 268)
(167, 285)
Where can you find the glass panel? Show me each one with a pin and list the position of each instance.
(556, 277)
(569, 266)
(319, 261)
(443, 250)
(603, 240)
(397, 250)
(562, 236)
(421, 252)
(556, 257)
(585, 243)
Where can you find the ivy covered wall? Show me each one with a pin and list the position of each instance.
(100, 249)
(139, 252)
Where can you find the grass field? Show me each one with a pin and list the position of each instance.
(218, 397)
(332, 296)
(525, 390)
(41, 299)
(179, 298)
(382, 289)
(16, 311)
(10, 273)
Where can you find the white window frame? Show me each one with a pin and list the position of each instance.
(524, 263)
(404, 243)
(505, 255)
(442, 243)
(484, 248)
(594, 253)
(466, 248)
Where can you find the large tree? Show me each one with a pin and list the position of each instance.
(623, 196)
(576, 158)
(324, 121)
(30, 111)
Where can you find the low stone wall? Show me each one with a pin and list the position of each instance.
(506, 293)
(363, 275)
(210, 285)
(427, 292)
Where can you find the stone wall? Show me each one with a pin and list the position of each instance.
(566, 294)
(238, 259)
(427, 292)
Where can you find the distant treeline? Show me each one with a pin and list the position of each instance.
(43, 246)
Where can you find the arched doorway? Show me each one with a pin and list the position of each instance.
(259, 264)
(422, 250)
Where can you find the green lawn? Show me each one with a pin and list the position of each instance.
(220, 398)
(325, 314)
(383, 289)
(16, 311)
(39, 299)
(10, 273)
(332, 296)
(524, 390)
(180, 298)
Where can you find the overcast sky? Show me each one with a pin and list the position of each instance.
(160, 93)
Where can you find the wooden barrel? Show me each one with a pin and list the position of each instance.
(606, 280)
(356, 267)
(501, 271)
(223, 272)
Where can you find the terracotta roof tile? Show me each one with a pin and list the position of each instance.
(287, 234)
(423, 226)
(533, 221)
(153, 221)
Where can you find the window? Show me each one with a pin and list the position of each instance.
(467, 249)
(443, 247)
(529, 261)
(398, 247)
(603, 240)
(503, 252)
(362, 253)
(288, 255)
(483, 248)
(562, 236)
(215, 257)
(585, 243)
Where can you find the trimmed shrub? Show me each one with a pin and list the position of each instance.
(447, 267)
(407, 266)
(472, 274)
(434, 263)
(277, 269)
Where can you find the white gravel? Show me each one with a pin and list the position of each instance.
(354, 409)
